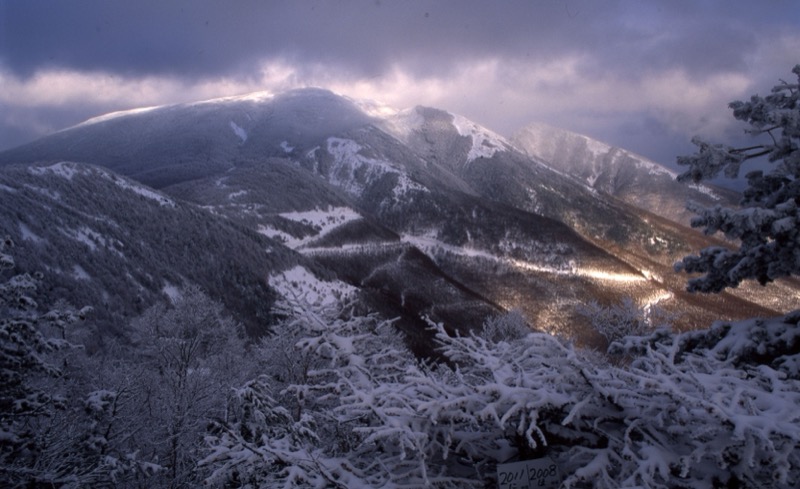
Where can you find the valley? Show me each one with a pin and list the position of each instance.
(423, 213)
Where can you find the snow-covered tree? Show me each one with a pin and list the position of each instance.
(688, 410)
(626, 318)
(50, 435)
(189, 356)
(508, 327)
(692, 410)
(350, 417)
(767, 226)
(685, 410)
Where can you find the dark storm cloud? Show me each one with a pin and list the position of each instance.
(204, 38)
(602, 67)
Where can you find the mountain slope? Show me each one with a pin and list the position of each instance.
(426, 213)
(617, 172)
(109, 242)
(163, 145)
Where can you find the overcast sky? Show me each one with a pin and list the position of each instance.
(644, 75)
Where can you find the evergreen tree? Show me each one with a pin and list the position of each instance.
(767, 226)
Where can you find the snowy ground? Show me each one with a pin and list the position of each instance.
(324, 220)
(300, 286)
(485, 143)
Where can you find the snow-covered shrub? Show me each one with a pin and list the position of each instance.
(688, 410)
(323, 437)
(616, 321)
(264, 445)
(693, 417)
(774, 342)
(674, 417)
(509, 326)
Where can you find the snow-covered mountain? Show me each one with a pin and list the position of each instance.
(423, 212)
(618, 172)
(109, 242)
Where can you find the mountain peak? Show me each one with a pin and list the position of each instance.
(309, 95)
(615, 171)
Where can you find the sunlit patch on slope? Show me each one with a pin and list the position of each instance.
(262, 96)
(373, 108)
(402, 124)
(653, 300)
(119, 113)
(609, 276)
(300, 286)
(430, 244)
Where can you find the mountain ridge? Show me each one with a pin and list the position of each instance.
(398, 202)
(623, 174)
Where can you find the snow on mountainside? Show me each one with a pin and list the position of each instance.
(251, 97)
(354, 172)
(617, 172)
(323, 222)
(104, 240)
(554, 145)
(485, 143)
(303, 287)
(426, 213)
(68, 170)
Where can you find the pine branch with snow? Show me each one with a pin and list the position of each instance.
(768, 223)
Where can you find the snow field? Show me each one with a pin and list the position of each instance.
(237, 194)
(28, 235)
(324, 220)
(79, 273)
(485, 143)
(348, 162)
(298, 285)
(143, 191)
(92, 239)
(172, 291)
